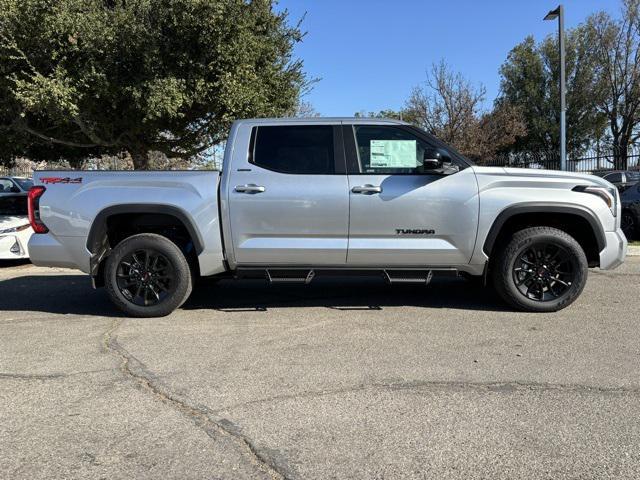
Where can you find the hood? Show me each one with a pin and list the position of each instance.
(541, 174)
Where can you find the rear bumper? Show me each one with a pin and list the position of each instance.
(615, 250)
(47, 250)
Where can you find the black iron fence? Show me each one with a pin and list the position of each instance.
(586, 163)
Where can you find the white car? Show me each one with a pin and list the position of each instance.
(15, 230)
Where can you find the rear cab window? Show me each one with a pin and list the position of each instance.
(294, 149)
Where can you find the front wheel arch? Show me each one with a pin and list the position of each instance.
(579, 222)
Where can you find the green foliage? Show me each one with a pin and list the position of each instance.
(530, 81)
(394, 114)
(81, 77)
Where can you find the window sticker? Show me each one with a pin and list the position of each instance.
(393, 154)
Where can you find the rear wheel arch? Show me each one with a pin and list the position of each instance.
(116, 223)
(577, 221)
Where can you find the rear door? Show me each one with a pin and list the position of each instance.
(399, 215)
(289, 200)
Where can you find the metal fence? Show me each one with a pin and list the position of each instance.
(588, 162)
(16, 172)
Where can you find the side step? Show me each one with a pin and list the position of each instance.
(290, 276)
(408, 276)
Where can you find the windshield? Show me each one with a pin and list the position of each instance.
(13, 205)
(24, 183)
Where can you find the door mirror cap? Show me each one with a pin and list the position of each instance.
(435, 159)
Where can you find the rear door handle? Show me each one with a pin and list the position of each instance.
(250, 188)
(367, 189)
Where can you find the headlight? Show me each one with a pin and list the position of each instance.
(14, 229)
(609, 195)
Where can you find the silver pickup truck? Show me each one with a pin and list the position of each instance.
(298, 198)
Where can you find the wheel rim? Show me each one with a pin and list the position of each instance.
(145, 277)
(544, 272)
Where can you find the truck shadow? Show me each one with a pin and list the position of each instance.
(61, 294)
(342, 294)
(72, 294)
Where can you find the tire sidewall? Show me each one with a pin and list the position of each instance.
(520, 241)
(164, 246)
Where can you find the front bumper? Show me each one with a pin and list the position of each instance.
(615, 250)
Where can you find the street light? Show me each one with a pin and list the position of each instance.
(552, 15)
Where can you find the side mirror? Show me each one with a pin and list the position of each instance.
(435, 159)
(14, 189)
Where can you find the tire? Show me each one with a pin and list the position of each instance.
(540, 269)
(629, 224)
(147, 275)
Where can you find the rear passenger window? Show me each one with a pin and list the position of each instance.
(304, 149)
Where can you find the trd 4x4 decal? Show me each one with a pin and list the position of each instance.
(63, 180)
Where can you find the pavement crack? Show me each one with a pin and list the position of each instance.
(134, 369)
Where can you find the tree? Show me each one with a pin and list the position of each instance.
(304, 109)
(394, 114)
(494, 132)
(447, 106)
(86, 77)
(530, 81)
(617, 46)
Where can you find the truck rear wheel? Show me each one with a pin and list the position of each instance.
(541, 269)
(147, 275)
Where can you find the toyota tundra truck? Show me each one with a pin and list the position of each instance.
(300, 198)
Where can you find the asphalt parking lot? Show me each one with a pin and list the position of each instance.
(338, 379)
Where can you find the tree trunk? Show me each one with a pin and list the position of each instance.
(620, 152)
(140, 159)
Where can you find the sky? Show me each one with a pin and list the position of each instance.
(369, 54)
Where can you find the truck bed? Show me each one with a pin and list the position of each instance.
(75, 200)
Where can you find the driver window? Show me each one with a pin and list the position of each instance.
(387, 150)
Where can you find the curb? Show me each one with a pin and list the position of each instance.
(633, 251)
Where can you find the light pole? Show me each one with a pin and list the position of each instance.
(552, 15)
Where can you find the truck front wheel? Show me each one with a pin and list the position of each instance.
(147, 275)
(541, 269)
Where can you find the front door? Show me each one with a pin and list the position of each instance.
(289, 201)
(402, 214)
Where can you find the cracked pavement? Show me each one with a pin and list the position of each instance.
(338, 379)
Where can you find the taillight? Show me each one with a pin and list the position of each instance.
(34, 210)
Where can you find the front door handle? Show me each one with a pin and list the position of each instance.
(250, 188)
(367, 189)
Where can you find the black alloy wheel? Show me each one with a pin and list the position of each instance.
(544, 271)
(145, 277)
(539, 269)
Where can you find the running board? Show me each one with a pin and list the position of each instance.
(290, 276)
(408, 276)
